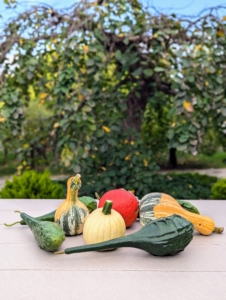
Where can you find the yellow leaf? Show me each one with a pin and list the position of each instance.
(188, 106)
(56, 125)
(80, 97)
(21, 42)
(24, 163)
(120, 35)
(126, 141)
(155, 35)
(93, 156)
(103, 168)
(137, 153)
(220, 33)
(50, 11)
(43, 96)
(197, 47)
(127, 157)
(55, 55)
(63, 112)
(132, 143)
(173, 124)
(106, 129)
(86, 48)
(2, 104)
(145, 162)
(25, 146)
(224, 18)
(2, 119)
(83, 70)
(20, 167)
(206, 83)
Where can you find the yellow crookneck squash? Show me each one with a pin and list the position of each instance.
(103, 224)
(156, 205)
(72, 213)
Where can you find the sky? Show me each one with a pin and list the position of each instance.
(185, 7)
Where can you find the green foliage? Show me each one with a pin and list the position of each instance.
(219, 190)
(180, 186)
(183, 185)
(32, 185)
(101, 68)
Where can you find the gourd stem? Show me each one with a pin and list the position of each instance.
(18, 211)
(18, 222)
(98, 197)
(107, 207)
(218, 229)
(61, 252)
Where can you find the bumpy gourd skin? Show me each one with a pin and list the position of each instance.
(48, 235)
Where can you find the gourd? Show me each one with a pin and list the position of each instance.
(164, 236)
(72, 213)
(124, 202)
(46, 217)
(156, 205)
(89, 202)
(103, 224)
(188, 206)
(48, 235)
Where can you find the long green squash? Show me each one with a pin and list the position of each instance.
(89, 202)
(165, 236)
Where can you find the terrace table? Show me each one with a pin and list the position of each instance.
(29, 273)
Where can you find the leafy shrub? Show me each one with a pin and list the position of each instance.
(184, 185)
(178, 185)
(32, 185)
(219, 189)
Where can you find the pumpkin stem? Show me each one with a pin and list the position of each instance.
(107, 207)
(218, 229)
(12, 224)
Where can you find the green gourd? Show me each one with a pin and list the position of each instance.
(188, 206)
(164, 236)
(89, 202)
(48, 235)
(47, 217)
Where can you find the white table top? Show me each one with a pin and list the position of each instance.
(29, 273)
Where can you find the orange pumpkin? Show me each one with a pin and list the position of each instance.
(124, 202)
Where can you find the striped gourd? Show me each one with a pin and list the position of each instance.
(72, 213)
(147, 204)
(158, 205)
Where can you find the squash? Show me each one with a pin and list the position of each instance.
(164, 236)
(188, 206)
(89, 202)
(157, 205)
(124, 202)
(103, 224)
(48, 235)
(47, 217)
(72, 213)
